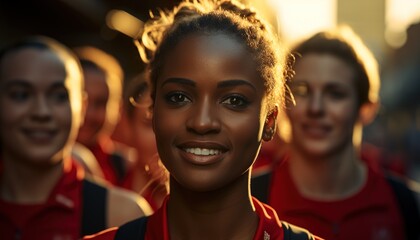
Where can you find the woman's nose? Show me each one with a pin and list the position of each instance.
(315, 104)
(204, 117)
(41, 109)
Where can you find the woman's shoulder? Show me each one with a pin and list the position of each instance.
(124, 205)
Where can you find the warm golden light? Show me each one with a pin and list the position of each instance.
(124, 22)
(301, 18)
(399, 15)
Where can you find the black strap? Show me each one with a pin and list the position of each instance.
(260, 186)
(93, 207)
(408, 206)
(292, 232)
(133, 230)
(119, 166)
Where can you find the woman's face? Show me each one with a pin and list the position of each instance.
(35, 111)
(141, 123)
(326, 105)
(209, 111)
(96, 112)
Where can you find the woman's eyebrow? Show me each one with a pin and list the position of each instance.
(16, 82)
(183, 81)
(58, 84)
(224, 84)
(235, 82)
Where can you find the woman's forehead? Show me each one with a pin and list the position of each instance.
(216, 53)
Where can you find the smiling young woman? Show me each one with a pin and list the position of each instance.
(323, 183)
(44, 194)
(217, 84)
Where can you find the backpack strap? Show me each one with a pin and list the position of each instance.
(261, 181)
(94, 198)
(292, 232)
(119, 165)
(408, 206)
(260, 186)
(133, 230)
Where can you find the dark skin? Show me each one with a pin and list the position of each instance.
(210, 115)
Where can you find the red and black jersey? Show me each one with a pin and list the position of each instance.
(58, 218)
(372, 213)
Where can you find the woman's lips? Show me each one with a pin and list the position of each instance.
(316, 130)
(39, 135)
(202, 153)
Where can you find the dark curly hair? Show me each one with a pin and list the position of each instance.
(163, 32)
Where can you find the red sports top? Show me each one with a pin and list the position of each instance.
(57, 218)
(269, 226)
(104, 160)
(147, 193)
(371, 214)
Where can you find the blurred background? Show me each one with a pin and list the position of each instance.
(390, 28)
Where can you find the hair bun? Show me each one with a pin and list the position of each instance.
(246, 13)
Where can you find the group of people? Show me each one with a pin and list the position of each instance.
(188, 156)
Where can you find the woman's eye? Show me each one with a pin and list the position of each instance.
(236, 101)
(300, 90)
(59, 96)
(334, 94)
(177, 98)
(19, 95)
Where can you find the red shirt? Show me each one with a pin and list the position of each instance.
(104, 160)
(263, 164)
(147, 193)
(269, 226)
(372, 213)
(57, 218)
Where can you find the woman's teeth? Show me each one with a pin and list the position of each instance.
(203, 151)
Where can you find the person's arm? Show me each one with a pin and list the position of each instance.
(124, 206)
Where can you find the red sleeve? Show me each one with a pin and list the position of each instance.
(108, 234)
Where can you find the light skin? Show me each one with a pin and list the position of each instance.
(324, 161)
(95, 117)
(141, 124)
(38, 125)
(37, 117)
(209, 119)
(148, 172)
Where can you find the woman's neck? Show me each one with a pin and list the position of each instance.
(26, 183)
(212, 215)
(330, 177)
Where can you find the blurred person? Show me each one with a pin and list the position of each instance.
(322, 183)
(103, 85)
(43, 193)
(216, 86)
(148, 176)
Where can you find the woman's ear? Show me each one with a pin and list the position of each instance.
(270, 125)
(367, 112)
